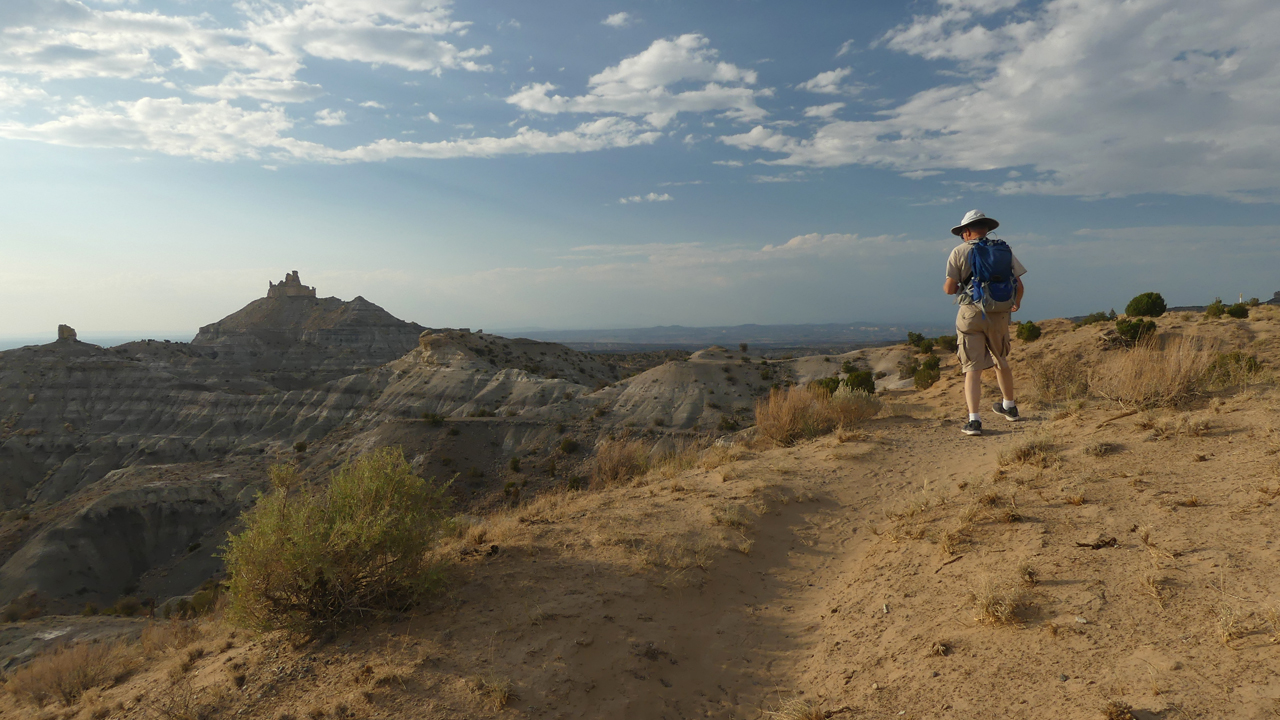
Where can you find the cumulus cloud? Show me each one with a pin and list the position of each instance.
(433, 117)
(331, 118)
(1067, 91)
(619, 19)
(651, 197)
(373, 104)
(260, 53)
(222, 132)
(728, 163)
(641, 86)
(831, 83)
(823, 111)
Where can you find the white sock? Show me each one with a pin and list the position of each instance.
(1009, 405)
(974, 416)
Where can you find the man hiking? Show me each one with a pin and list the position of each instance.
(986, 277)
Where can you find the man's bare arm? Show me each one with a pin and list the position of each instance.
(1017, 296)
(951, 287)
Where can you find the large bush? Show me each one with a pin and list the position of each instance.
(861, 380)
(1239, 311)
(928, 373)
(948, 343)
(1215, 309)
(790, 415)
(1028, 332)
(1148, 304)
(312, 558)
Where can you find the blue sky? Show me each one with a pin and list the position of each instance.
(574, 164)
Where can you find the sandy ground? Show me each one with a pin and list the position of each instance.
(1137, 557)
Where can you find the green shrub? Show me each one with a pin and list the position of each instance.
(312, 558)
(925, 346)
(1216, 309)
(1028, 331)
(948, 343)
(914, 339)
(1134, 330)
(514, 464)
(1148, 304)
(830, 384)
(925, 378)
(861, 380)
(1254, 302)
(1234, 369)
(1239, 311)
(300, 446)
(1093, 318)
(907, 368)
(433, 419)
(569, 445)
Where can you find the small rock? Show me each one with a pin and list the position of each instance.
(1063, 678)
(1081, 620)
(875, 686)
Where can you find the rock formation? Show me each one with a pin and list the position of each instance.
(291, 286)
(66, 333)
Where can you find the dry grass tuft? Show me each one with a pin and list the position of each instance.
(1154, 373)
(1117, 710)
(1154, 585)
(1229, 623)
(619, 462)
(1099, 449)
(1034, 451)
(184, 701)
(787, 416)
(797, 709)
(1029, 575)
(1168, 428)
(734, 515)
(67, 672)
(496, 690)
(996, 603)
(175, 634)
(1272, 616)
(1058, 378)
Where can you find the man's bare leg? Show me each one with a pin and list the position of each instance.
(973, 389)
(1004, 375)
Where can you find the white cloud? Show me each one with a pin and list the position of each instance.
(823, 111)
(432, 117)
(831, 83)
(1099, 97)
(651, 197)
(620, 19)
(373, 104)
(639, 86)
(920, 174)
(331, 118)
(784, 178)
(222, 132)
(260, 53)
(727, 163)
(845, 48)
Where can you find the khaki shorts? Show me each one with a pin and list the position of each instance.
(983, 340)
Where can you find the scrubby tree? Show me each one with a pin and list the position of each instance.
(1215, 309)
(1028, 331)
(1134, 330)
(1148, 304)
(1238, 310)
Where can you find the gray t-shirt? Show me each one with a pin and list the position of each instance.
(960, 269)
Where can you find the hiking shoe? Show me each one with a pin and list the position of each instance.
(973, 427)
(1010, 414)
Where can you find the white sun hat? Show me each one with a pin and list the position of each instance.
(973, 217)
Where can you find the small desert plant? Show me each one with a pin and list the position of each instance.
(1028, 331)
(925, 347)
(1234, 369)
(1117, 710)
(1034, 451)
(300, 446)
(997, 604)
(1058, 377)
(1240, 311)
(928, 374)
(619, 461)
(732, 515)
(568, 446)
(1094, 318)
(787, 416)
(433, 419)
(797, 709)
(1150, 375)
(1131, 331)
(948, 343)
(907, 368)
(1148, 304)
(860, 380)
(320, 557)
(1098, 449)
(496, 690)
(68, 671)
(851, 405)
(514, 464)
(1215, 309)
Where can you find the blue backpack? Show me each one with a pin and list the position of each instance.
(993, 285)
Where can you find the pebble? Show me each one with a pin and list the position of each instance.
(1063, 678)
(875, 686)
(1081, 620)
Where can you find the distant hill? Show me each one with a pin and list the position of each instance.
(758, 336)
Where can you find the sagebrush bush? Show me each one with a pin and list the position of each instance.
(1131, 331)
(1152, 374)
(861, 380)
(1239, 311)
(65, 673)
(1058, 377)
(1234, 369)
(314, 558)
(619, 461)
(1148, 304)
(797, 413)
(1093, 318)
(1028, 331)
(1215, 309)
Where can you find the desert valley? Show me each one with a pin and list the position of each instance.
(658, 534)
